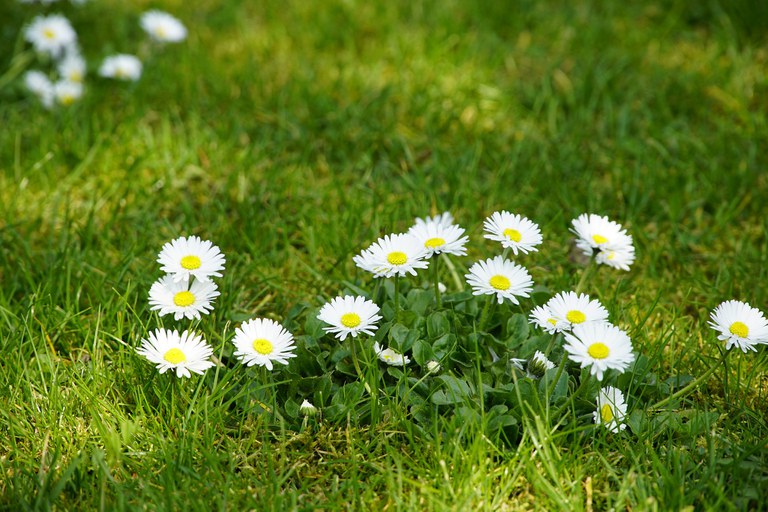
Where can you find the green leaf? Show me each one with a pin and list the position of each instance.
(455, 391)
(517, 330)
(437, 325)
(419, 300)
(423, 353)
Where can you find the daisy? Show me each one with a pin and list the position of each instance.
(38, 84)
(740, 324)
(543, 317)
(184, 353)
(191, 257)
(596, 232)
(163, 27)
(600, 345)
(72, 67)
(513, 231)
(611, 409)
(391, 357)
(433, 366)
(500, 277)
(570, 309)
(169, 296)
(437, 236)
(350, 315)
(51, 34)
(121, 67)
(66, 93)
(263, 341)
(619, 255)
(392, 255)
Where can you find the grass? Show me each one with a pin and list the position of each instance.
(293, 134)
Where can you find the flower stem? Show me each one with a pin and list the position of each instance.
(690, 387)
(436, 280)
(560, 369)
(584, 273)
(485, 315)
(397, 298)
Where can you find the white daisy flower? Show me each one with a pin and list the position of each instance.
(433, 367)
(121, 67)
(307, 409)
(350, 315)
(390, 356)
(500, 277)
(600, 345)
(181, 299)
(438, 237)
(392, 255)
(163, 27)
(739, 324)
(543, 317)
(184, 353)
(513, 231)
(596, 232)
(263, 341)
(187, 257)
(611, 409)
(38, 84)
(570, 309)
(66, 93)
(51, 34)
(72, 67)
(619, 255)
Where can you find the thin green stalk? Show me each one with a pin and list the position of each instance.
(397, 298)
(560, 369)
(436, 279)
(486, 313)
(690, 387)
(584, 274)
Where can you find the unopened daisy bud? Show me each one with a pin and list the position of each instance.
(442, 288)
(538, 365)
(433, 367)
(307, 409)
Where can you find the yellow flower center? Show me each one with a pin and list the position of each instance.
(513, 234)
(575, 317)
(75, 76)
(175, 356)
(350, 320)
(499, 282)
(49, 33)
(160, 32)
(599, 239)
(184, 299)
(432, 243)
(611, 255)
(397, 258)
(190, 262)
(598, 350)
(263, 347)
(606, 413)
(739, 329)
(553, 321)
(67, 99)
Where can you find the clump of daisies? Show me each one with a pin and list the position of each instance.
(604, 239)
(62, 80)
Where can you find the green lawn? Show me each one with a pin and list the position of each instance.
(293, 134)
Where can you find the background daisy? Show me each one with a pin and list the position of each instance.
(499, 277)
(398, 254)
(611, 409)
(513, 231)
(51, 34)
(739, 324)
(437, 236)
(596, 232)
(121, 67)
(263, 342)
(163, 27)
(390, 356)
(191, 257)
(601, 346)
(184, 353)
(570, 309)
(182, 299)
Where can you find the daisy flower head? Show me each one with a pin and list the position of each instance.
(181, 299)
(620, 255)
(186, 352)
(163, 27)
(437, 236)
(390, 356)
(66, 93)
(611, 409)
(595, 233)
(571, 309)
(72, 67)
(121, 67)
(350, 315)
(739, 324)
(600, 345)
(537, 365)
(513, 231)
(543, 317)
(38, 84)
(187, 257)
(398, 254)
(263, 341)
(51, 34)
(499, 277)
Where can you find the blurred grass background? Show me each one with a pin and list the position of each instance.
(293, 134)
